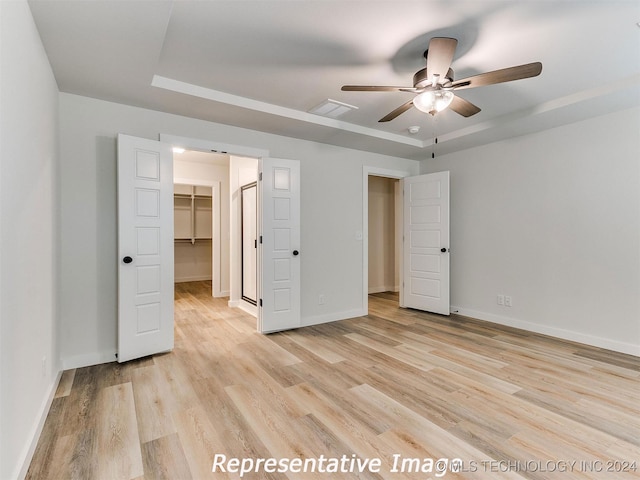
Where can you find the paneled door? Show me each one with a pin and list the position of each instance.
(145, 247)
(426, 243)
(279, 253)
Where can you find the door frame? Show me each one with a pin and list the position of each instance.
(367, 171)
(243, 188)
(212, 146)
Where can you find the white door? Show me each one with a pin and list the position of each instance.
(425, 283)
(279, 253)
(145, 247)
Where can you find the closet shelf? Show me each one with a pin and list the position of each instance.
(192, 213)
(189, 196)
(192, 240)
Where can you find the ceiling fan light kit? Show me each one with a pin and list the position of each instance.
(435, 86)
(433, 101)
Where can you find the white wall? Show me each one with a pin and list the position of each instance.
(383, 271)
(331, 209)
(194, 166)
(552, 220)
(28, 238)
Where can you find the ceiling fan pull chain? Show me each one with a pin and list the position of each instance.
(435, 137)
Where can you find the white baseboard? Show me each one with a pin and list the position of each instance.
(244, 306)
(196, 278)
(249, 308)
(561, 333)
(386, 288)
(36, 430)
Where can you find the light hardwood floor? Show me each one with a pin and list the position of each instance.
(508, 403)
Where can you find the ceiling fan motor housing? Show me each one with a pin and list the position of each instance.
(421, 78)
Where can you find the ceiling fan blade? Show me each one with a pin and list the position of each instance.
(499, 76)
(463, 107)
(374, 88)
(398, 111)
(440, 55)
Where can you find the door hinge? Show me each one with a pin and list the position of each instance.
(255, 244)
(261, 239)
(260, 176)
(260, 302)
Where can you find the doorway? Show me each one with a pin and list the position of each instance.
(381, 175)
(146, 240)
(384, 236)
(242, 165)
(201, 206)
(208, 198)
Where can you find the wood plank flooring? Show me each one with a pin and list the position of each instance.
(395, 386)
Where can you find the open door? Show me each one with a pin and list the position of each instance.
(425, 284)
(145, 247)
(279, 252)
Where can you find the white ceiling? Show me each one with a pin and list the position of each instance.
(263, 64)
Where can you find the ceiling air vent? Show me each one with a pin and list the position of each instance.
(332, 108)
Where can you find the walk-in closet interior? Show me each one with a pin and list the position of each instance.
(215, 224)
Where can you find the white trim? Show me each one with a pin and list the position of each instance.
(383, 288)
(244, 306)
(216, 253)
(36, 430)
(622, 347)
(285, 112)
(367, 171)
(196, 278)
(213, 146)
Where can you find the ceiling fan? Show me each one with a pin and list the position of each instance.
(435, 85)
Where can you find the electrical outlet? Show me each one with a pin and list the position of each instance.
(321, 299)
(500, 299)
(508, 301)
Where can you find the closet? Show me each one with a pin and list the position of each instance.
(192, 232)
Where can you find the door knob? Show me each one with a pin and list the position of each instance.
(443, 250)
(127, 259)
(295, 253)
